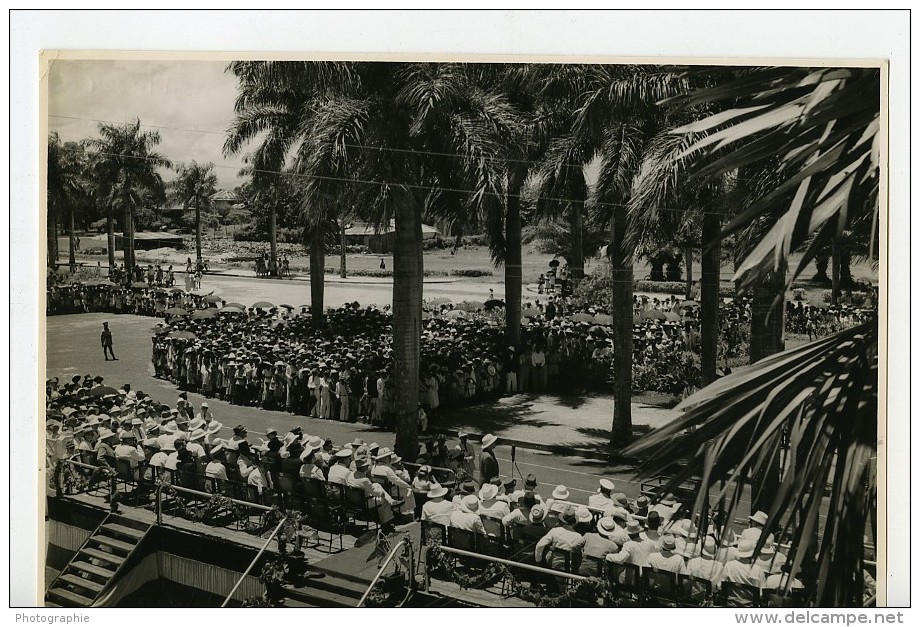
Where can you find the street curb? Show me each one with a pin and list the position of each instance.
(336, 281)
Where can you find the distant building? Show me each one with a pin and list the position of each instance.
(224, 200)
(382, 240)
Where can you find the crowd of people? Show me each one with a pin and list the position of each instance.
(273, 357)
(97, 425)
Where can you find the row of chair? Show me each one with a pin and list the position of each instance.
(627, 582)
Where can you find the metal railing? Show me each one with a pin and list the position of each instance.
(405, 542)
(512, 563)
(254, 560)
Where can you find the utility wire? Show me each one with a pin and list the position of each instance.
(397, 184)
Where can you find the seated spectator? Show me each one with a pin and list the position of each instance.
(520, 515)
(666, 507)
(563, 537)
(742, 570)
(638, 547)
(436, 508)
(377, 496)
(756, 523)
(598, 544)
(602, 498)
(467, 516)
(338, 472)
(490, 505)
(666, 559)
(215, 468)
(706, 566)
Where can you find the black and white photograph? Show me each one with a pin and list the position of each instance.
(340, 331)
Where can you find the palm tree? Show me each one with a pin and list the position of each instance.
(122, 165)
(612, 114)
(276, 104)
(65, 187)
(813, 410)
(195, 185)
(404, 137)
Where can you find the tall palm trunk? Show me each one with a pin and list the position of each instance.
(577, 260)
(128, 233)
(514, 278)
(72, 243)
(342, 269)
(621, 270)
(273, 237)
(408, 271)
(836, 254)
(768, 319)
(688, 261)
(197, 234)
(317, 276)
(709, 294)
(110, 236)
(768, 316)
(53, 247)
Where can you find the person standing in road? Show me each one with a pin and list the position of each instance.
(107, 343)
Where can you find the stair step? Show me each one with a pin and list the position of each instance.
(102, 555)
(92, 568)
(124, 521)
(77, 580)
(77, 599)
(336, 585)
(112, 542)
(322, 598)
(51, 604)
(123, 530)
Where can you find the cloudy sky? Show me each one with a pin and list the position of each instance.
(191, 103)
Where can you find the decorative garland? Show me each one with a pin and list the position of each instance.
(592, 591)
(67, 480)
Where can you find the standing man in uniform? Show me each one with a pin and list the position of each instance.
(488, 465)
(107, 342)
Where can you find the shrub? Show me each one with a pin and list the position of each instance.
(357, 249)
(677, 287)
(475, 240)
(435, 243)
(470, 272)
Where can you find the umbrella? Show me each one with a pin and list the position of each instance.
(492, 304)
(531, 312)
(176, 311)
(183, 335)
(554, 263)
(441, 300)
(263, 304)
(105, 282)
(583, 317)
(139, 284)
(211, 298)
(102, 390)
(456, 313)
(229, 309)
(689, 303)
(603, 319)
(597, 330)
(671, 316)
(162, 290)
(286, 306)
(201, 314)
(637, 319)
(236, 305)
(653, 314)
(176, 289)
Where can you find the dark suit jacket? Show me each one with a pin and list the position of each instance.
(488, 467)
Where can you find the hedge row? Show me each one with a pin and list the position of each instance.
(676, 287)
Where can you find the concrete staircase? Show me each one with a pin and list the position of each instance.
(96, 563)
(326, 587)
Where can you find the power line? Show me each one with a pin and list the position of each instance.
(396, 184)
